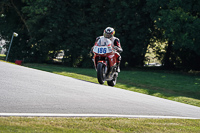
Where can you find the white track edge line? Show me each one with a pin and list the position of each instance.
(89, 115)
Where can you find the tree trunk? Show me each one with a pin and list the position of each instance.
(168, 63)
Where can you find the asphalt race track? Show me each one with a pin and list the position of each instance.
(25, 91)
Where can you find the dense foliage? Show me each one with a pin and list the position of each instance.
(48, 26)
(177, 22)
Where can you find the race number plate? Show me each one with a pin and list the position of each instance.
(102, 50)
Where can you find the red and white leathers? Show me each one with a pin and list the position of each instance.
(117, 46)
(119, 49)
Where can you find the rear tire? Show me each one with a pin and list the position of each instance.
(112, 82)
(101, 73)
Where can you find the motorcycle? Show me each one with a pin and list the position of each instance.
(105, 61)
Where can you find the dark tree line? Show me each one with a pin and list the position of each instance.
(47, 26)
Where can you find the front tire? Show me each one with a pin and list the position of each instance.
(101, 73)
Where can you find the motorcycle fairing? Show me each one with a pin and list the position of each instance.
(112, 60)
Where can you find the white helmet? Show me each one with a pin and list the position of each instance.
(109, 32)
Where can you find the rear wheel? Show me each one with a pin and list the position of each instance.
(113, 81)
(101, 73)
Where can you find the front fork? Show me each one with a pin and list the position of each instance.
(98, 59)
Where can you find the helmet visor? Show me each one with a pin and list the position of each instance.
(107, 35)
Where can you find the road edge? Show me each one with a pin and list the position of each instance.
(90, 115)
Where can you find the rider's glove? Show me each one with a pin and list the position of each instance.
(115, 47)
(118, 49)
(91, 50)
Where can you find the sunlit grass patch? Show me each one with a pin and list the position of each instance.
(2, 57)
(99, 125)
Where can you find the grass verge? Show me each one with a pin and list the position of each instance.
(170, 85)
(2, 57)
(98, 125)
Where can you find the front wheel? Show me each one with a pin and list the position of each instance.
(101, 73)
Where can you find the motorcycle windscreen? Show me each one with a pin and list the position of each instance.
(104, 42)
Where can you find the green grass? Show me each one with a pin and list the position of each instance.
(170, 85)
(2, 57)
(98, 125)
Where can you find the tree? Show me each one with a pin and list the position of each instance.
(178, 21)
(12, 20)
(58, 29)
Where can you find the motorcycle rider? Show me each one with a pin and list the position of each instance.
(109, 33)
